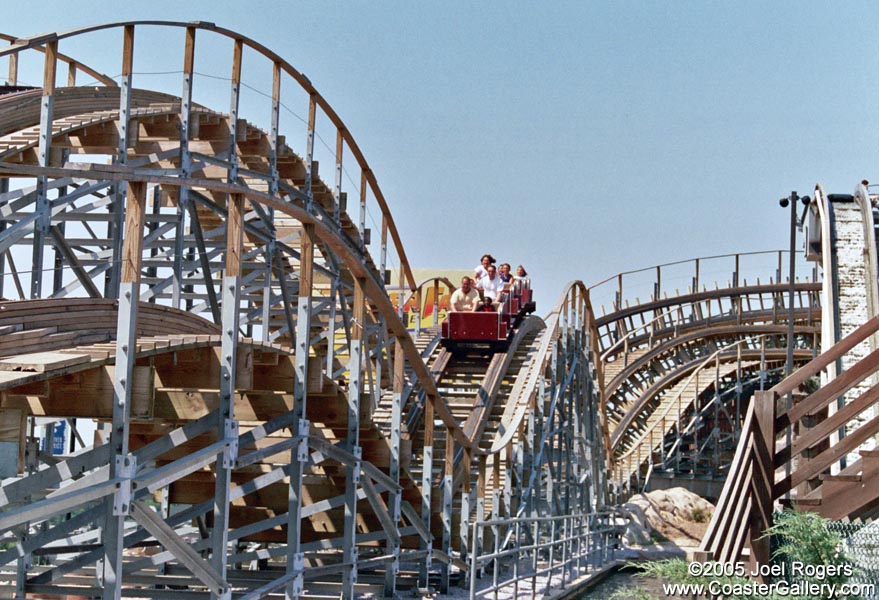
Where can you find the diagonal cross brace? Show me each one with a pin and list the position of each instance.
(166, 536)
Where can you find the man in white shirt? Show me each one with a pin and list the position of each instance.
(465, 298)
(491, 284)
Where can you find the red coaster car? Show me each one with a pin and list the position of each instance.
(489, 330)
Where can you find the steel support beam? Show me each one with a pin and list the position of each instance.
(299, 454)
(204, 260)
(448, 494)
(122, 465)
(426, 486)
(394, 498)
(43, 206)
(119, 188)
(165, 535)
(228, 426)
(352, 474)
(58, 272)
(185, 165)
(335, 285)
(65, 251)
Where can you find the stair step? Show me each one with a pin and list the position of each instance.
(801, 502)
(854, 478)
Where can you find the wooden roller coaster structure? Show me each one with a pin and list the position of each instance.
(266, 424)
(808, 442)
(679, 369)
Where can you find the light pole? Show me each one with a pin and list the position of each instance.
(795, 223)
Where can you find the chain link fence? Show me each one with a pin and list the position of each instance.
(860, 544)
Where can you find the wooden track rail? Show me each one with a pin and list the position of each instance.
(264, 423)
(666, 359)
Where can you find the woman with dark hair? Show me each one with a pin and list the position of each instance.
(521, 273)
(482, 268)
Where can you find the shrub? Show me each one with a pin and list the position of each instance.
(700, 515)
(803, 536)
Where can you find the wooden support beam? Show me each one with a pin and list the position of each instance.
(362, 223)
(12, 77)
(337, 191)
(310, 165)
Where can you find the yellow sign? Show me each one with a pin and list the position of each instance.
(435, 296)
(433, 309)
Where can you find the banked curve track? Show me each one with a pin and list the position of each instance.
(265, 423)
(678, 370)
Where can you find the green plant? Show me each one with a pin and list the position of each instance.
(700, 515)
(811, 385)
(631, 593)
(804, 538)
(677, 571)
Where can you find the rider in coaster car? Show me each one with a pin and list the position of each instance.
(491, 284)
(486, 306)
(465, 298)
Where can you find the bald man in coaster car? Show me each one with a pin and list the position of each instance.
(465, 298)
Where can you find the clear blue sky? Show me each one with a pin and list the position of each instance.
(579, 138)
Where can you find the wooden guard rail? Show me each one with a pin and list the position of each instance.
(744, 509)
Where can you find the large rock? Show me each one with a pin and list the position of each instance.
(636, 531)
(676, 514)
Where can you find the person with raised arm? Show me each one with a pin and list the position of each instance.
(481, 269)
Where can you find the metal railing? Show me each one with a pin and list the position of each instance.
(533, 555)
(691, 275)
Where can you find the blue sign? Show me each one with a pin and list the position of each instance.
(59, 437)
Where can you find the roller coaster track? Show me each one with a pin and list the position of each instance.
(266, 424)
(665, 359)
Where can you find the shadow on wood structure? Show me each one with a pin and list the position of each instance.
(266, 425)
(679, 369)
